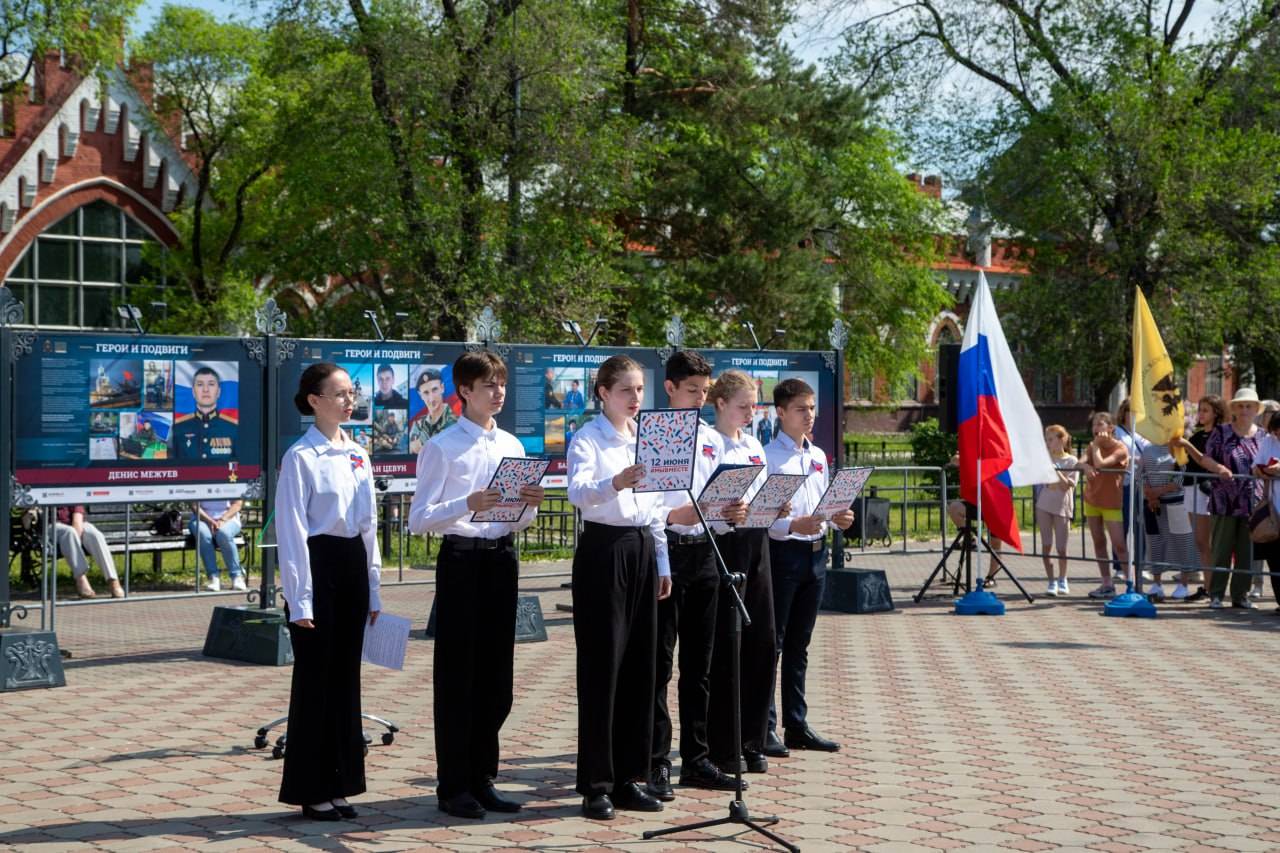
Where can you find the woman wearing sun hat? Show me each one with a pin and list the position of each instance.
(1229, 453)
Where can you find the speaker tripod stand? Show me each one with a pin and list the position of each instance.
(967, 542)
(738, 813)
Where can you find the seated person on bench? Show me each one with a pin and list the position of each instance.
(74, 537)
(215, 525)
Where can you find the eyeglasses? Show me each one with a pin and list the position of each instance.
(344, 397)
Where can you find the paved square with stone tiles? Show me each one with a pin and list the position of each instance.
(1050, 728)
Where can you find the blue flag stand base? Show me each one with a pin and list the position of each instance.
(1130, 604)
(979, 603)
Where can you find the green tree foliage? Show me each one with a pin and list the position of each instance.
(555, 159)
(1116, 142)
(90, 33)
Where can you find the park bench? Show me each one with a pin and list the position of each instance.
(129, 533)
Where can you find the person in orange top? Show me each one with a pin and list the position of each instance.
(1104, 497)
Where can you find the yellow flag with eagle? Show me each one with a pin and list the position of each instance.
(1155, 399)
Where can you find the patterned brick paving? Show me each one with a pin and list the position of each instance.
(1048, 729)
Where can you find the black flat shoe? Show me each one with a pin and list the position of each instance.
(660, 783)
(632, 797)
(807, 738)
(462, 805)
(597, 807)
(755, 761)
(491, 798)
(317, 814)
(773, 747)
(347, 811)
(704, 774)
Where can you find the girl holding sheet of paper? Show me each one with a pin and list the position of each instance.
(326, 527)
(620, 571)
(745, 551)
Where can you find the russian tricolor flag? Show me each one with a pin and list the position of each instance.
(998, 424)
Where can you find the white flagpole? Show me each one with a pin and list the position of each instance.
(1136, 515)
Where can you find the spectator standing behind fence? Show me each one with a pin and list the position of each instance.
(1135, 444)
(74, 536)
(1229, 452)
(1267, 409)
(1104, 496)
(1055, 503)
(1165, 520)
(327, 529)
(1211, 412)
(215, 526)
(1267, 464)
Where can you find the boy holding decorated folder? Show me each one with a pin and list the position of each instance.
(476, 574)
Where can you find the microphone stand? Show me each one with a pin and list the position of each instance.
(738, 813)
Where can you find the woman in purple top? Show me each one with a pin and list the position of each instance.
(1229, 453)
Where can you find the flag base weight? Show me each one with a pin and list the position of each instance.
(1130, 604)
(979, 603)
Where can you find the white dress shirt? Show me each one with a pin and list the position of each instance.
(1268, 449)
(451, 466)
(784, 457)
(597, 454)
(325, 488)
(708, 456)
(743, 450)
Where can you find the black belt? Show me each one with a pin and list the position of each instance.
(674, 538)
(475, 543)
(812, 546)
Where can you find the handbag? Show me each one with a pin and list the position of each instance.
(167, 523)
(1264, 525)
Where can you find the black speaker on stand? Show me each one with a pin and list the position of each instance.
(946, 387)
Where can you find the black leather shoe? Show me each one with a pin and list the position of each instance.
(704, 774)
(317, 814)
(491, 798)
(597, 807)
(630, 796)
(347, 811)
(755, 761)
(727, 765)
(660, 783)
(462, 805)
(807, 738)
(773, 747)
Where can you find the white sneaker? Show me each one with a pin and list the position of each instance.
(237, 583)
(1256, 592)
(1155, 591)
(1147, 576)
(1103, 591)
(214, 584)
(1180, 592)
(1053, 589)
(1215, 603)
(1064, 588)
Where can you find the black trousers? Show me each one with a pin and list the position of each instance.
(799, 576)
(325, 755)
(687, 615)
(473, 663)
(615, 627)
(744, 551)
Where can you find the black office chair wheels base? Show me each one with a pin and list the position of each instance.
(388, 738)
(277, 752)
(260, 742)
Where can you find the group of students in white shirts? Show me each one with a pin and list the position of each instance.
(643, 577)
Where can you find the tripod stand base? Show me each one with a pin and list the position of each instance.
(979, 603)
(739, 815)
(1130, 604)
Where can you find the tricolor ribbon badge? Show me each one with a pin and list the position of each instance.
(708, 451)
(357, 461)
(755, 460)
(817, 466)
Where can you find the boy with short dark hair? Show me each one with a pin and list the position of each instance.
(689, 613)
(476, 573)
(798, 561)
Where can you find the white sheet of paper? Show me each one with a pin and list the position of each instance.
(386, 641)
